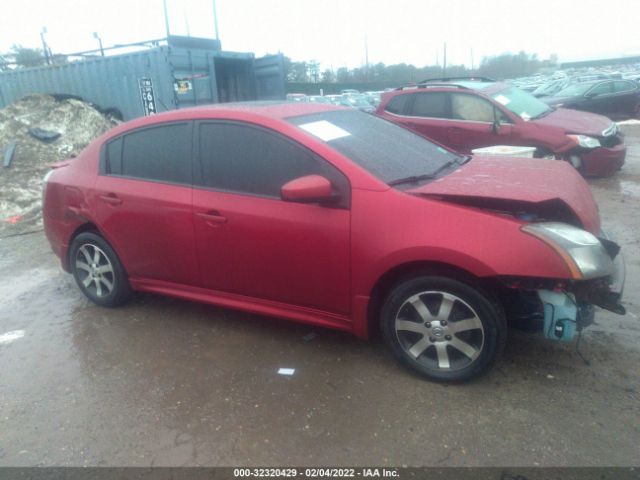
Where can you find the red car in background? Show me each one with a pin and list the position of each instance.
(336, 218)
(469, 113)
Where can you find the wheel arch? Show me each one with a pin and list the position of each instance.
(411, 269)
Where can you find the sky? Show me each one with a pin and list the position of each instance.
(335, 32)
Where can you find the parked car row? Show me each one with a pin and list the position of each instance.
(326, 215)
(366, 101)
(470, 113)
(612, 93)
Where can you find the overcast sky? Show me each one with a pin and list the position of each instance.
(333, 31)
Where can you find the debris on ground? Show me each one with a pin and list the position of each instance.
(286, 371)
(44, 135)
(8, 154)
(35, 132)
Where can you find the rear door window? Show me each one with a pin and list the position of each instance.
(430, 105)
(161, 153)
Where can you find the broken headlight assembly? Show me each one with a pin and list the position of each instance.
(582, 252)
(585, 141)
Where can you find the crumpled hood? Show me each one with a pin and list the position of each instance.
(574, 121)
(545, 187)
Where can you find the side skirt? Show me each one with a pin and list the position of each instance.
(248, 304)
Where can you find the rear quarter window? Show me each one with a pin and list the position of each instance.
(430, 105)
(397, 104)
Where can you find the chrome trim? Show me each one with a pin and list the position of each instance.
(610, 130)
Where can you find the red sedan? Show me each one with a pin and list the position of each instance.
(336, 218)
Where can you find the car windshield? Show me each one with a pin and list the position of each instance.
(575, 90)
(388, 151)
(523, 104)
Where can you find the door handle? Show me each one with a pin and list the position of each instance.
(212, 217)
(111, 199)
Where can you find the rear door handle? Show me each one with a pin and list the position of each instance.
(212, 217)
(111, 199)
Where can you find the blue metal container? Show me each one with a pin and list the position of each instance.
(160, 78)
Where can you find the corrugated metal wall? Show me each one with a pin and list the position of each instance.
(181, 77)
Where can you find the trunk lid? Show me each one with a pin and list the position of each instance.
(550, 189)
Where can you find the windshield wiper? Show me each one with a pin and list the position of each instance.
(426, 176)
(411, 179)
(543, 114)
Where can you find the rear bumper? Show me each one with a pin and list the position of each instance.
(603, 161)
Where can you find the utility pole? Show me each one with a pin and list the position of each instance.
(97, 37)
(45, 47)
(472, 65)
(366, 59)
(444, 61)
(215, 19)
(166, 17)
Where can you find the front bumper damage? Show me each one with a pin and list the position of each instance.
(559, 310)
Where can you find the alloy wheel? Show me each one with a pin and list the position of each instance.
(95, 270)
(439, 330)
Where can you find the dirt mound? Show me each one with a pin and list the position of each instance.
(73, 124)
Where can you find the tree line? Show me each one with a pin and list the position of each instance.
(506, 65)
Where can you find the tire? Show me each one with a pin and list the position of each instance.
(98, 270)
(451, 345)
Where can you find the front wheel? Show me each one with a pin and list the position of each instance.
(442, 328)
(98, 271)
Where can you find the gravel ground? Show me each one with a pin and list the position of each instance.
(167, 382)
(77, 124)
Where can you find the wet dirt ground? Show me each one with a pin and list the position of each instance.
(168, 382)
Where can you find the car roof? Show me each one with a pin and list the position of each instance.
(277, 110)
(272, 109)
(486, 87)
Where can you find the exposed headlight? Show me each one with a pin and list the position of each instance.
(582, 252)
(585, 141)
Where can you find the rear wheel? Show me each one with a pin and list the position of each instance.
(442, 328)
(98, 271)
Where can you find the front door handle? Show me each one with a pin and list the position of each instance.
(212, 217)
(111, 199)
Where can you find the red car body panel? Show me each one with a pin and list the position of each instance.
(521, 179)
(548, 132)
(303, 262)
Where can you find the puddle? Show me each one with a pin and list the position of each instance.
(630, 188)
(11, 336)
(24, 282)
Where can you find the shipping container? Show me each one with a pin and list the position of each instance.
(184, 72)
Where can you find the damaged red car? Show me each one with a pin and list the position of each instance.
(335, 218)
(473, 113)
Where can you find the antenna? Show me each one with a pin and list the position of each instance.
(215, 19)
(166, 17)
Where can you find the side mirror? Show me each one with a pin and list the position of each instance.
(308, 189)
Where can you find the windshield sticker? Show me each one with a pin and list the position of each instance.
(502, 99)
(525, 116)
(325, 131)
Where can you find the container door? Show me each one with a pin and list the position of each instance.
(269, 77)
